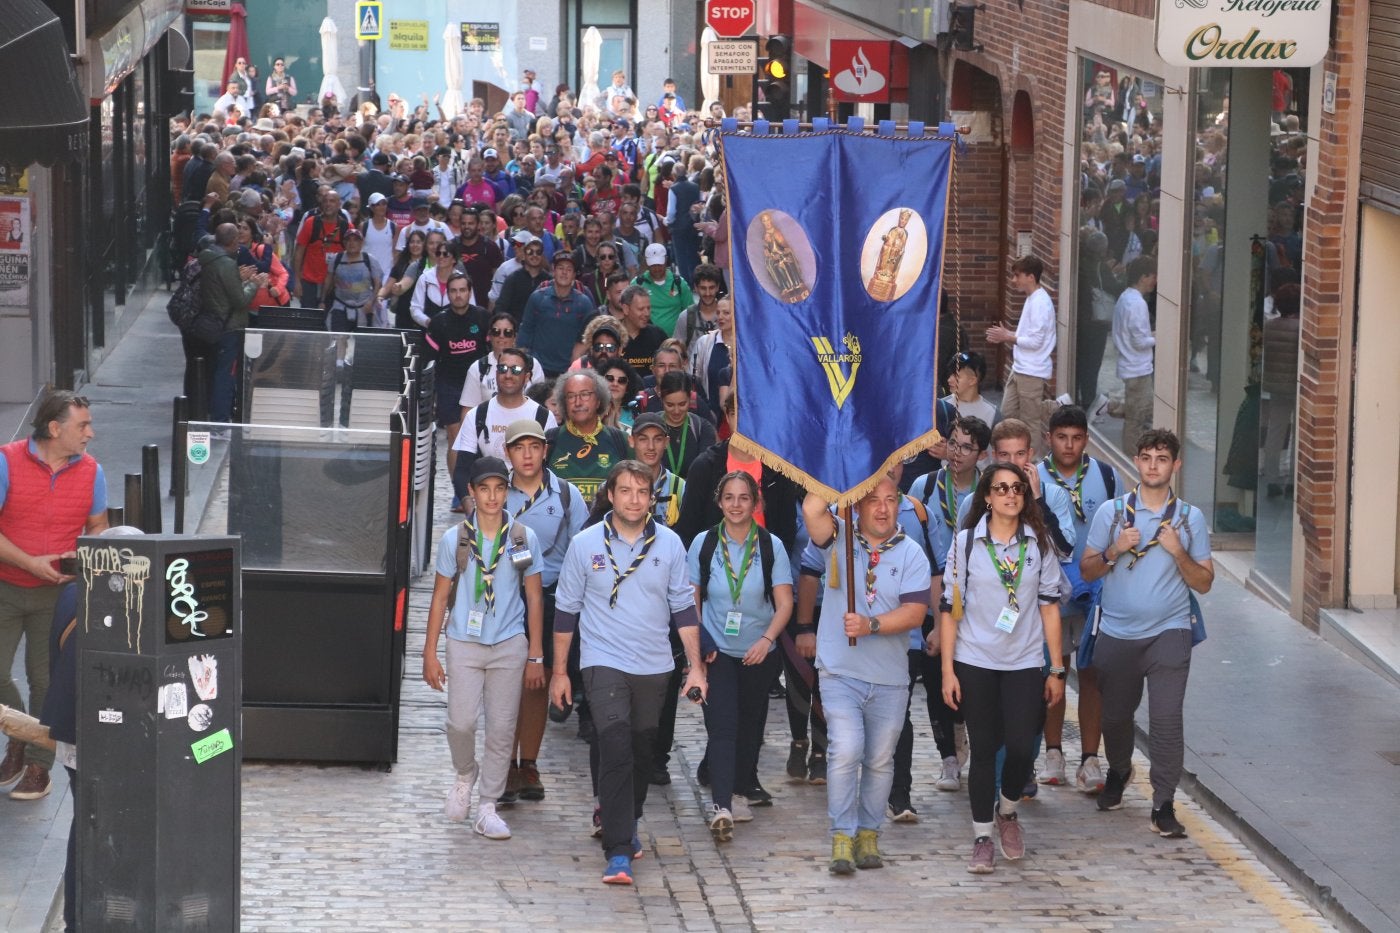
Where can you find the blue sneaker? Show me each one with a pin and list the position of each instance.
(619, 870)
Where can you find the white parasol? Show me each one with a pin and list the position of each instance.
(592, 56)
(330, 64)
(709, 84)
(452, 68)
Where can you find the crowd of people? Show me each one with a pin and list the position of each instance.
(567, 262)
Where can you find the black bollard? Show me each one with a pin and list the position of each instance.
(133, 499)
(199, 403)
(116, 516)
(180, 412)
(150, 489)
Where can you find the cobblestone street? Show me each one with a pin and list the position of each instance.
(349, 849)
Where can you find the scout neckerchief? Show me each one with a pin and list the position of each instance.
(539, 493)
(1008, 570)
(648, 536)
(678, 460)
(665, 491)
(1130, 506)
(736, 578)
(1076, 492)
(589, 440)
(874, 558)
(948, 496)
(485, 574)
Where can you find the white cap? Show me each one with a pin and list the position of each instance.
(376, 198)
(656, 255)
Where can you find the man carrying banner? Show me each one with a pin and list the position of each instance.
(865, 684)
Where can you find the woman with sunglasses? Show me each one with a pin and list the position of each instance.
(743, 588)
(398, 288)
(623, 386)
(595, 280)
(1000, 608)
(481, 381)
(281, 87)
(430, 291)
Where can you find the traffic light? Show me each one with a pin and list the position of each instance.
(775, 79)
(178, 93)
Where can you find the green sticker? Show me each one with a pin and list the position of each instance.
(216, 744)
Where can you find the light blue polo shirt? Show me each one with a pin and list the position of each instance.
(506, 618)
(980, 643)
(1152, 597)
(925, 489)
(1093, 494)
(545, 517)
(757, 614)
(902, 576)
(1056, 498)
(634, 636)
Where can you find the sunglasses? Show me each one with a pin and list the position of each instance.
(533, 252)
(604, 347)
(502, 333)
(515, 369)
(607, 255)
(1009, 489)
(616, 379)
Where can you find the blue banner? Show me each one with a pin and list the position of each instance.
(836, 244)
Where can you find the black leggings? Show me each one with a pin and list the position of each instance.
(804, 698)
(940, 719)
(1002, 708)
(736, 713)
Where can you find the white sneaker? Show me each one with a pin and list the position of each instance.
(1054, 770)
(1063, 399)
(1099, 410)
(1089, 777)
(739, 808)
(721, 822)
(960, 742)
(489, 823)
(951, 778)
(459, 801)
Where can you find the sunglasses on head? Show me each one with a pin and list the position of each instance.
(515, 369)
(1013, 489)
(502, 333)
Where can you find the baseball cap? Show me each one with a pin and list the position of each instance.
(524, 236)
(1139, 159)
(648, 420)
(563, 255)
(525, 427)
(376, 198)
(489, 467)
(398, 179)
(354, 231)
(1117, 185)
(420, 202)
(606, 329)
(656, 255)
(380, 158)
(490, 153)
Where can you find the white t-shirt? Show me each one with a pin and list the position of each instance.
(426, 228)
(498, 418)
(1132, 335)
(380, 244)
(1034, 352)
(479, 387)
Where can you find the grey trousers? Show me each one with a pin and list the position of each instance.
(489, 678)
(1163, 663)
(27, 612)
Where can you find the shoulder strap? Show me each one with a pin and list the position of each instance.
(67, 631)
(481, 430)
(463, 556)
(1110, 484)
(517, 535)
(765, 557)
(967, 557)
(483, 367)
(541, 415)
(921, 513)
(707, 554)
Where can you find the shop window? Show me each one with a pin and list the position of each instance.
(1022, 125)
(1118, 190)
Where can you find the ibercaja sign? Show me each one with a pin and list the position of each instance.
(1243, 33)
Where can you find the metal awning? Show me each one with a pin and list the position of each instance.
(47, 121)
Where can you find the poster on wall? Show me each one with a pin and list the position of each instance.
(481, 37)
(1243, 33)
(14, 251)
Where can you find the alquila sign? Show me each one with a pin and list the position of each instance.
(1243, 33)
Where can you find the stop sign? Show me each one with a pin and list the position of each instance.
(730, 19)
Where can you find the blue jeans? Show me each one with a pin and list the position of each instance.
(863, 721)
(226, 356)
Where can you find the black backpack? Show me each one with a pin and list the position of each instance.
(186, 310)
(484, 434)
(765, 557)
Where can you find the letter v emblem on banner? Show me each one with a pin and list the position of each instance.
(834, 363)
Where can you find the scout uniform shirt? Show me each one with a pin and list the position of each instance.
(480, 613)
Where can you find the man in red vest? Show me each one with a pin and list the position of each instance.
(51, 491)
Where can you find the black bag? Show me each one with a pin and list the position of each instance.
(186, 311)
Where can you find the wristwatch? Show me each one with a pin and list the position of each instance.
(874, 625)
(535, 660)
(1057, 672)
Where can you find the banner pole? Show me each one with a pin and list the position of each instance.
(850, 564)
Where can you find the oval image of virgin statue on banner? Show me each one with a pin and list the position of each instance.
(893, 256)
(781, 256)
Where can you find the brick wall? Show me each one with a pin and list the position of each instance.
(1328, 299)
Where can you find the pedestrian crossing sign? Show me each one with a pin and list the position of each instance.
(369, 14)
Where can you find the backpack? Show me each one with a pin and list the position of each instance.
(341, 226)
(517, 542)
(186, 310)
(483, 433)
(1110, 484)
(921, 513)
(765, 557)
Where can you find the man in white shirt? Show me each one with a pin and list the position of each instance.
(1134, 340)
(484, 435)
(481, 382)
(1032, 350)
(422, 222)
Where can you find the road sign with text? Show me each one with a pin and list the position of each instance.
(732, 57)
(730, 19)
